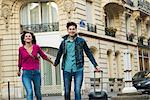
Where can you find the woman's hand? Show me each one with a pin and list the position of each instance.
(50, 60)
(18, 73)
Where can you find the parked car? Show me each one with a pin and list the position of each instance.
(141, 81)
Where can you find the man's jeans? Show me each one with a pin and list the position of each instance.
(78, 79)
(29, 77)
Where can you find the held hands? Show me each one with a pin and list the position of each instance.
(50, 60)
(54, 65)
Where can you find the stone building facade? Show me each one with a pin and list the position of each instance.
(110, 27)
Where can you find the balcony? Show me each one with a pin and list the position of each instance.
(110, 31)
(46, 27)
(130, 36)
(143, 5)
(141, 40)
(91, 28)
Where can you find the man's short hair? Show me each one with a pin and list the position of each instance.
(71, 24)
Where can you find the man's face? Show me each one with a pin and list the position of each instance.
(72, 30)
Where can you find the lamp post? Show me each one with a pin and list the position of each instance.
(127, 73)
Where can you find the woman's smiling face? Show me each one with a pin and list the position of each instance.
(28, 38)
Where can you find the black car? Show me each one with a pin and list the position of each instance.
(141, 81)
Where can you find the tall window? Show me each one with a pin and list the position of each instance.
(128, 26)
(89, 12)
(144, 59)
(148, 29)
(89, 17)
(138, 25)
(109, 20)
(39, 12)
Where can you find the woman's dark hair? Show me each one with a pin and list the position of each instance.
(23, 35)
(71, 24)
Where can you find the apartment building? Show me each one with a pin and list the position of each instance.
(110, 27)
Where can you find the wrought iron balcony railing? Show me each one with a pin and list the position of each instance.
(144, 6)
(129, 2)
(141, 40)
(130, 36)
(91, 27)
(45, 27)
(110, 31)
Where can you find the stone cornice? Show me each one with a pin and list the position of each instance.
(107, 38)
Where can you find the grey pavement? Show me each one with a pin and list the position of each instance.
(61, 97)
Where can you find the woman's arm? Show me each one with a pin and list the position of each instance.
(50, 60)
(44, 56)
(19, 63)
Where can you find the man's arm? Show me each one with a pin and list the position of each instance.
(89, 54)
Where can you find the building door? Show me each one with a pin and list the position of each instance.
(51, 76)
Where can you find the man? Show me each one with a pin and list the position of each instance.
(72, 48)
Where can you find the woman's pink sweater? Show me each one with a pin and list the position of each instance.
(30, 61)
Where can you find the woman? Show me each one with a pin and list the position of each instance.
(29, 62)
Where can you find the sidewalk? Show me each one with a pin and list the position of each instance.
(61, 97)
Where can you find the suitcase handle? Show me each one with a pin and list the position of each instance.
(98, 71)
(101, 80)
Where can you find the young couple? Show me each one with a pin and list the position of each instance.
(71, 48)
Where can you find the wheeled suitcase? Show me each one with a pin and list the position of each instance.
(98, 95)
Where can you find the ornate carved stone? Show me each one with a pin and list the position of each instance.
(6, 12)
(147, 19)
(68, 7)
(136, 15)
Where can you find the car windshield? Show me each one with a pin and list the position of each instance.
(147, 74)
(141, 74)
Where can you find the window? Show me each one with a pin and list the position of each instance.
(89, 10)
(144, 59)
(128, 26)
(138, 25)
(51, 75)
(148, 29)
(89, 17)
(109, 20)
(37, 13)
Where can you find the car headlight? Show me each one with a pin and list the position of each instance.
(139, 84)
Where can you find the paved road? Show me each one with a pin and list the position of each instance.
(61, 97)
